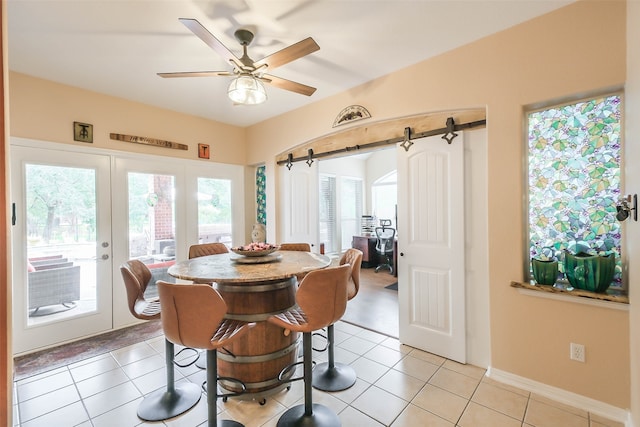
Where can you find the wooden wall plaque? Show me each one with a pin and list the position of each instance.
(148, 141)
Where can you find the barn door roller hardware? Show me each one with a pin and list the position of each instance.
(451, 127)
(406, 141)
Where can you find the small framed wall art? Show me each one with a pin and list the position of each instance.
(203, 151)
(82, 132)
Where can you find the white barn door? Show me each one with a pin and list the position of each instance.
(300, 204)
(431, 266)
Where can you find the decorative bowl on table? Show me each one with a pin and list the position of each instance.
(255, 249)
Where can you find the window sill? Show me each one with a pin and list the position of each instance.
(608, 300)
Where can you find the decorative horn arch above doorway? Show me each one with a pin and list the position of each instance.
(372, 136)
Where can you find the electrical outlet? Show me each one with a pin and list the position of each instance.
(576, 352)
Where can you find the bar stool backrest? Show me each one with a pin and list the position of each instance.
(191, 313)
(322, 295)
(353, 257)
(205, 249)
(303, 247)
(136, 276)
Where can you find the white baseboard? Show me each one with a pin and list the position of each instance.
(563, 396)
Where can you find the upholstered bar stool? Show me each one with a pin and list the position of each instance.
(205, 249)
(196, 251)
(177, 398)
(303, 247)
(332, 376)
(193, 316)
(320, 301)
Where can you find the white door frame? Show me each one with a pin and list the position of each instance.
(29, 337)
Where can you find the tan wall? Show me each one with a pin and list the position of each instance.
(43, 110)
(575, 50)
(632, 178)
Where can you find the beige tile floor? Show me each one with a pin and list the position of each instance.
(397, 386)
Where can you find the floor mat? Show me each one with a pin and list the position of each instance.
(52, 358)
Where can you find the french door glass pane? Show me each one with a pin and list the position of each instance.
(61, 242)
(214, 210)
(152, 223)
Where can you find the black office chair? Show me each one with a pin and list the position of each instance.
(384, 245)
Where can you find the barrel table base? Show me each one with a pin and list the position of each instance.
(266, 349)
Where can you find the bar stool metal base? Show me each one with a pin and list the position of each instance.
(211, 358)
(163, 404)
(308, 414)
(337, 378)
(321, 416)
(332, 376)
(172, 401)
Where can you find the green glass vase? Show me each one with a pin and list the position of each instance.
(545, 272)
(588, 272)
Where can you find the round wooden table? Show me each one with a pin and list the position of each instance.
(254, 289)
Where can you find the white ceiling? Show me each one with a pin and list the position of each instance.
(116, 47)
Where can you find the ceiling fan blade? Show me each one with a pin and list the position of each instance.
(199, 30)
(288, 85)
(196, 74)
(288, 54)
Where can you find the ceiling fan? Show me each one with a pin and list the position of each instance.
(247, 87)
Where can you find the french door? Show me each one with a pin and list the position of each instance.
(61, 238)
(79, 215)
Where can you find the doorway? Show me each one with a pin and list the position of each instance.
(475, 215)
(350, 209)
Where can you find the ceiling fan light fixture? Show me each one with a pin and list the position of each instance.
(247, 90)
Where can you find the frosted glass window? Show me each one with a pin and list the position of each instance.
(574, 178)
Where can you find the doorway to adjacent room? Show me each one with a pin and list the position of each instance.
(376, 305)
(353, 187)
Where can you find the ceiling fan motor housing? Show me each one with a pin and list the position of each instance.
(244, 36)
